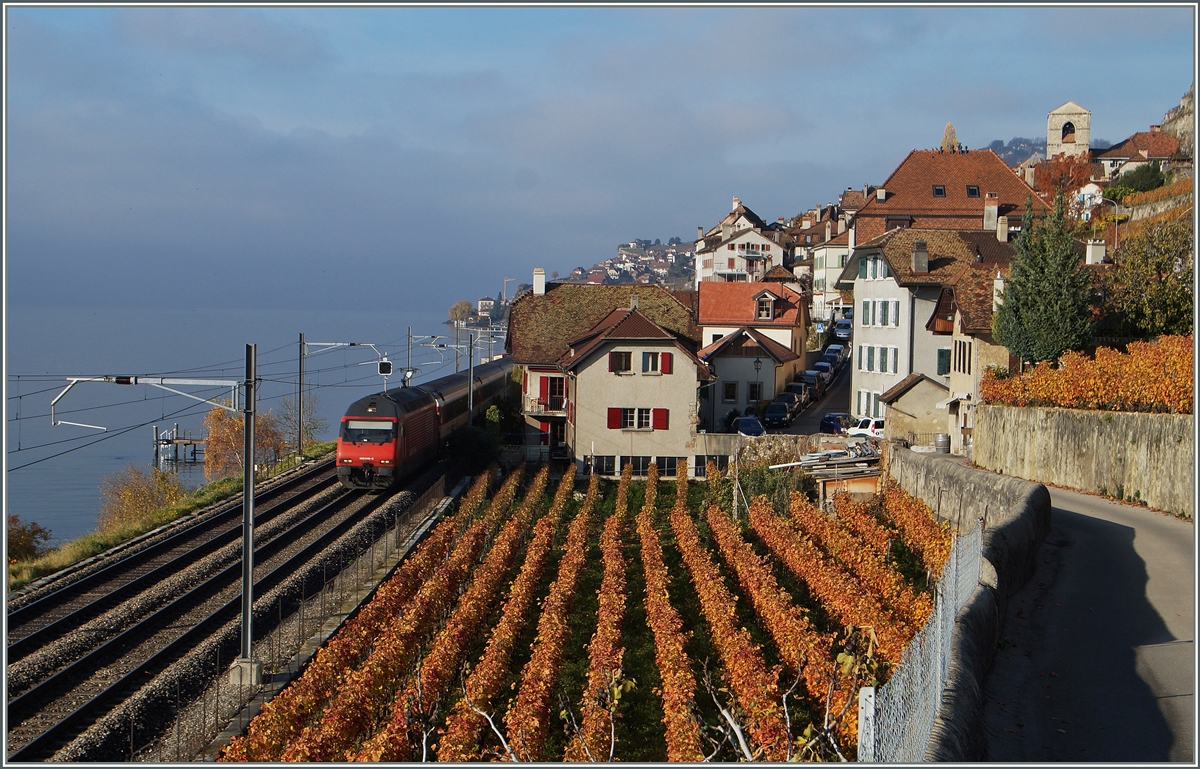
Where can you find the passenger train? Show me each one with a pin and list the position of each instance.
(390, 435)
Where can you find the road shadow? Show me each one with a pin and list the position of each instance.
(1064, 685)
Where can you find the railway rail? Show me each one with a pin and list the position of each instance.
(96, 652)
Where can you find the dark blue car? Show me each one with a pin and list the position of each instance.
(836, 423)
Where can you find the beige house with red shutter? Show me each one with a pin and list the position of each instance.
(561, 336)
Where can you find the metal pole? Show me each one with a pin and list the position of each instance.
(247, 655)
(457, 345)
(156, 447)
(471, 380)
(409, 356)
(300, 404)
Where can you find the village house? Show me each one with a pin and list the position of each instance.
(560, 336)
(742, 324)
(1138, 150)
(740, 248)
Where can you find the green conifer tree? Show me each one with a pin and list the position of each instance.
(1047, 301)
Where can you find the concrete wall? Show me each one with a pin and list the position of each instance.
(1142, 457)
(1015, 516)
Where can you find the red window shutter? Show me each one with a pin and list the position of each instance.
(612, 363)
(545, 428)
(667, 360)
(660, 419)
(544, 391)
(525, 381)
(614, 419)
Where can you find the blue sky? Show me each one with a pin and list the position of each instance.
(272, 156)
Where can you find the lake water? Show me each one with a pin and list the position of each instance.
(53, 474)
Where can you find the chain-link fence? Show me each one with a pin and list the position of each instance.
(895, 721)
(200, 704)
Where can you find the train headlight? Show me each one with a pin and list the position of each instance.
(385, 461)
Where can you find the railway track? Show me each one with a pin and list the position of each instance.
(110, 634)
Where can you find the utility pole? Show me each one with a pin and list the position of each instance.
(300, 405)
(457, 345)
(471, 380)
(246, 671)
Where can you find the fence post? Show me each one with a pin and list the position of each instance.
(866, 724)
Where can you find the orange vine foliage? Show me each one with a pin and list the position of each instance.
(460, 736)
(395, 742)
(674, 666)
(841, 594)
(1149, 377)
(800, 645)
(926, 536)
(605, 652)
(528, 720)
(858, 518)
(281, 720)
(871, 570)
(752, 684)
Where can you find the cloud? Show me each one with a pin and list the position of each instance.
(236, 32)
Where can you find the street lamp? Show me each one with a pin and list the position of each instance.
(757, 382)
(1116, 223)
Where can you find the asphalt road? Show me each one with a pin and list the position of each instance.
(1096, 660)
(836, 398)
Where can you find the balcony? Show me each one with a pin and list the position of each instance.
(552, 406)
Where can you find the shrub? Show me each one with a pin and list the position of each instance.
(133, 497)
(26, 540)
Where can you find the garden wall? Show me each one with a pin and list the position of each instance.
(1139, 457)
(1014, 516)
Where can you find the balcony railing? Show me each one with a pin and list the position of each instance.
(552, 406)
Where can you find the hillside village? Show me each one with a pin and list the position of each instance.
(621, 364)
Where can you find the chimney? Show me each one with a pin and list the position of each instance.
(805, 223)
(781, 220)
(920, 258)
(866, 190)
(1002, 229)
(736, 202)
(991, 207)
(633, 301)
(997, 289)
(726, 230)
(1095, 252)
(539, 281)
(699, 232)
(841, 223)
(1155, 129)
(880, 194)
(828, 230)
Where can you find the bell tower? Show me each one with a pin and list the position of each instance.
(1068, 130)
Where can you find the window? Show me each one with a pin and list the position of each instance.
(732, 262)
(628, 417)
(862, 267)
(895, 312)
(866, 313)
(859, 400)
(939, 190)
(604, 465)
(620, 361)
(860, 358)
(731, 247)
(729, 392)
(754, 390)
(643, 419)
(765, 309)
(895, 357)
(649, 362)
(870, 359)
(819, 262)
(720, 460)
(883, 359)
(641, 465)
(874, 267)
(668, 466)
(943, 361)
(875, 407)
(972, 191)
(883, 313)
(841, 261)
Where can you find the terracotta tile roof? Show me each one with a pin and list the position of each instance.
(779, 273)
(852, 200)
(732, 304)
(972, 295)
(1154, 144)
(906, 384)
(910, 187)
(540, 326)
(742, 336)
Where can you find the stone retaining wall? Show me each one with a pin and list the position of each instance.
(1144, 458)
(1015, 516)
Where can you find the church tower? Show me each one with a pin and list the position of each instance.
(1068, 130)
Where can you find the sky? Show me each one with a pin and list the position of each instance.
(335, 158)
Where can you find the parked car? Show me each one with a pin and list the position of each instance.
(841, 351)
(792, 401)
(835, 363)
(778, 414)
(749, 426)
(843, 330)
(825, 369)
(867, 427)
(848, 313)
(837, 422)
(813, 380)
(801, 390)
